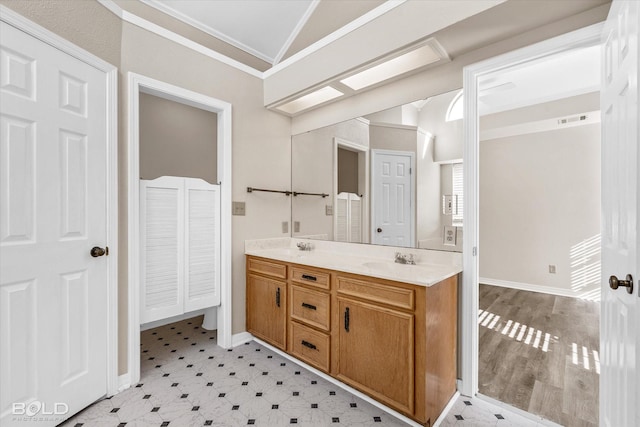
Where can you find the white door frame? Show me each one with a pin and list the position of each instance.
(111, 76)
(588, 36)
(137, 84)
(412, 191)
(363, 152)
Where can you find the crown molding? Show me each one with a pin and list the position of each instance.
(177, 38)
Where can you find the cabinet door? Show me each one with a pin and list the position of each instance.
(266, 309)
(376, 352)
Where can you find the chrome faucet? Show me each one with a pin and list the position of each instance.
(405, 258)
(304, 246)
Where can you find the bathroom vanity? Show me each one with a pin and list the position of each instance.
(386, 329)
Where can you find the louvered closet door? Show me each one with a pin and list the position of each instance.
(162, 240)
(180, 251)
(342, 218)
(202, 245)
(348, 222)
(355, 218)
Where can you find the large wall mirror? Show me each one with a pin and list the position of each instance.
(389, 178)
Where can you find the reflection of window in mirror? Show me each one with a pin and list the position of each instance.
(457, 185)
(456, 108)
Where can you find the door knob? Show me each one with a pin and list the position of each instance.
(97, 251)
(379, 230)
(614, 283)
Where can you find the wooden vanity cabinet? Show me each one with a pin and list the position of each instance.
(266, 310)
(375, 352)
(378, 323)
(393, 341)
(310, 316)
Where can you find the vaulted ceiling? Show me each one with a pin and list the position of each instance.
(300, 44)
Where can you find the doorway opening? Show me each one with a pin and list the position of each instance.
(351, 191)
(164, 97)
(532, 262)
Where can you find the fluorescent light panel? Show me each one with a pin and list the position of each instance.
(409, 61)
(309, 100)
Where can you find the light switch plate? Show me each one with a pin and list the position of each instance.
(552, 269)
(238, 208)
(296, 226)
(328, 210)
(447, 204)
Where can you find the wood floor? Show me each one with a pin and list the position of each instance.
(540, 353)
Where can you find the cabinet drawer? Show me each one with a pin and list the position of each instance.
(310, 346)
(310, 307)
(384, 294)
(267, 267)
(310, 277)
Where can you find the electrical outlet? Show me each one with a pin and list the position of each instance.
(285, 226)
(328, 210)
(238, 208)
(552, 269)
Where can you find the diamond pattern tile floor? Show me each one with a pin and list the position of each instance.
(187, 380)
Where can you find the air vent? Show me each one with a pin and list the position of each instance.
(572, 119)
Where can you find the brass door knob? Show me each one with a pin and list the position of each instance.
(97, 251)
(614, 283)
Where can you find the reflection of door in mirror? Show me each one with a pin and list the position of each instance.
(338, 160)
(351, 187)
(393, 198)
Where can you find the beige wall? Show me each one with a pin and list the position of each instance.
(540, 205)
(312, 172)
(83, 22)
(261, 139)
(177, 140)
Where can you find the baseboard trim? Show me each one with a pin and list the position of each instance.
(528, 287)
(124, 382)
(446, 409)
(241, 338)
(343, 386)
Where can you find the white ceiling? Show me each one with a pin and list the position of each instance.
(263, 28)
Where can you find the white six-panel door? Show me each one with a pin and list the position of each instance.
(620, 322)
(53, 294)
(393, 207)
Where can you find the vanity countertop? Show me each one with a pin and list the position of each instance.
(376, 261)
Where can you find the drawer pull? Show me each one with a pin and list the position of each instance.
(346, 319)
(309, 345)
(309, 306)
(309, 277)
(278, 297)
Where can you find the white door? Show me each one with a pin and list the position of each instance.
(620, 322)
(392, 222)
(53, 293)
(180, 246)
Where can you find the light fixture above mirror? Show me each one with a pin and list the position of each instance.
(394, 66)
